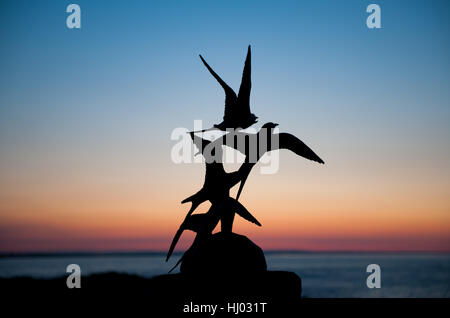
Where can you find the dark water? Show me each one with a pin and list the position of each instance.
(323, 274)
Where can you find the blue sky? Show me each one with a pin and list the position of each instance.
(134, 68)
(142, 58)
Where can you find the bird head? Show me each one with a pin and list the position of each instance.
(269, 125)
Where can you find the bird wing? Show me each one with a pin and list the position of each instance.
(237, 207)
(196, 200)
(243, 104)
(230, 95)
(178, 263)
(292, 143)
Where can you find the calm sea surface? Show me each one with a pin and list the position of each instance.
(323, 274)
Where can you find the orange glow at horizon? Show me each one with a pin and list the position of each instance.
(319, 216)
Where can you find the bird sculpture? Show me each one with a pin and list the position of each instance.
(218, 182)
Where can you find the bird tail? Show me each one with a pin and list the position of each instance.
(189, 199)
(244, 171)
(176, 265)
(241, 186)
(194, 198)
(174, 242)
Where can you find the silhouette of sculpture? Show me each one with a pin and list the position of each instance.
(227, 251)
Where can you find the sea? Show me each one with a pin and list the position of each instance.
(324, 275)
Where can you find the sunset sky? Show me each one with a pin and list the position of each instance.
(86, 118)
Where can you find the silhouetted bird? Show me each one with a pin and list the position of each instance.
(237, 108)
(253, 146)
(217, 182)
(204, 224)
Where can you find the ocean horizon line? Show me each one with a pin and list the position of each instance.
(163, 253)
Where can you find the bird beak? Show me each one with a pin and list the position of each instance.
(275, 124)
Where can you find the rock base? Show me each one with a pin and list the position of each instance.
(224, 254)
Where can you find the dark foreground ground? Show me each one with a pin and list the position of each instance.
(267, 293)
(274, 294)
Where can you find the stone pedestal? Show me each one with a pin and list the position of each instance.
(224, 254)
